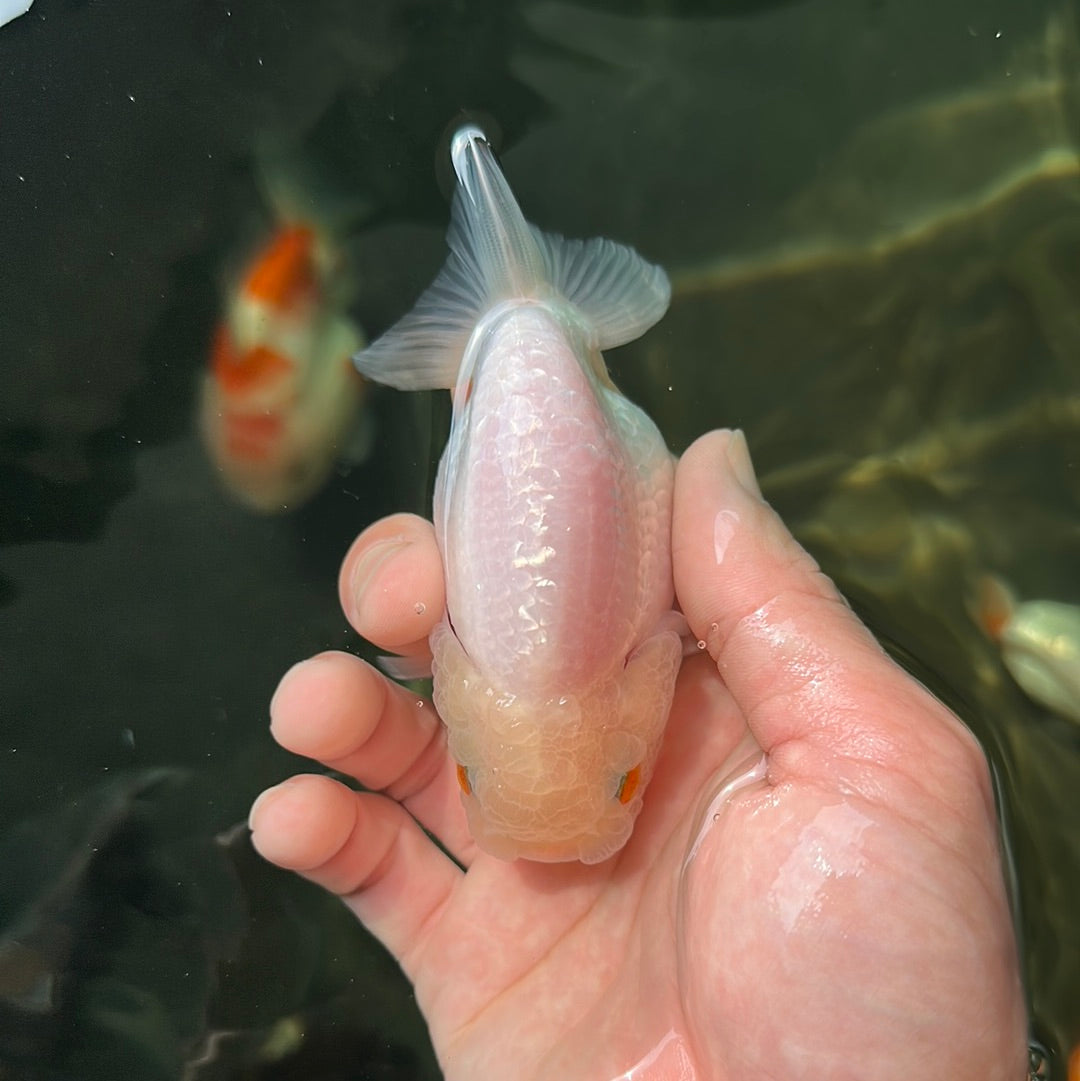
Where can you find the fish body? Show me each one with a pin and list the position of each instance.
(281, 394)
(1039, 642)
(555, 663)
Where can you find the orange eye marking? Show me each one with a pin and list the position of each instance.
(463, 780)
(628, 785)
(284, 271)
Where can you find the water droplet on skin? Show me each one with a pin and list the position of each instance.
(724, 526)
(419, 608)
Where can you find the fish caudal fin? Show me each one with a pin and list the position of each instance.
(618, 293)
(496, 256)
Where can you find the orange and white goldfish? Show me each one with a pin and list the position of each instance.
(1039, 642)
(555, 663)
(282, 395)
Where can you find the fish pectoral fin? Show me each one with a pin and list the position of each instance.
(404, 669)
(676, 621)
(620, 294)
(648, 682)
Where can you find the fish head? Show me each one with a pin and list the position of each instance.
(284, 274)
(556, 778)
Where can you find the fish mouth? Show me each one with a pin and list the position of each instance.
(584, 847)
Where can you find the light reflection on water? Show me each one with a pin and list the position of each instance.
(872, 232)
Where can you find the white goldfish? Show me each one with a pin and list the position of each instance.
(281, 394)
(12, 9)
(1040, 644)
(555, 662)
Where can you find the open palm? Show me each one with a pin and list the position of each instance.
(813, 888)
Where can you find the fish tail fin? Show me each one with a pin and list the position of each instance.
(496, 255)
(617, 293)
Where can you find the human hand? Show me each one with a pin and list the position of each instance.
(835, 910)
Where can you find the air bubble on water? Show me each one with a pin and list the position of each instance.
(701, 643)
(419, 608)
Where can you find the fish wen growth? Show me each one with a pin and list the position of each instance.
(555, 663)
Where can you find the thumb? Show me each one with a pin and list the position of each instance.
(805, 672)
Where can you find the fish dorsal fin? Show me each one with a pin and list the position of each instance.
(618, 293)
(496, 256)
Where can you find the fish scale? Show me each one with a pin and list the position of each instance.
(529, 464)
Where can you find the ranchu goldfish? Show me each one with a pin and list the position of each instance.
(281, 395)
(1040, 644)
(555, 662)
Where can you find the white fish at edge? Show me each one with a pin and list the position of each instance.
(1039, 642)
(555, 663)
(12, 9)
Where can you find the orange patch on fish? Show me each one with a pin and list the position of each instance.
(463, 780)
(241, 371)
(994, 606)
(284, 274)
(629, 785)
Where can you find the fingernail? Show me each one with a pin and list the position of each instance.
(738, 455)
(371, 562)
(259, 801)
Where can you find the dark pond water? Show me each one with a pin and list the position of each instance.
(871, 213)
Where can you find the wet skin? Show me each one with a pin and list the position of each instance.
(844, 917)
